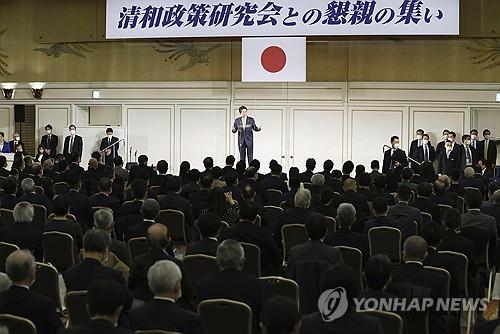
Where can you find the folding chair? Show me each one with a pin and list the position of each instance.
(40, 217)
(292, 235)
(332, 224)
(426, 217)
(137, 246)
(273, 197)
(61, 188)
(39, 190)
(464, 267)
(461, 204)
(154, 191)
(7, 217)
(353, 258)
(17, 325)
(252, 259)
(47, 283)
(199, 266)
(76, 304)
(280, 286)
(444, 273)
(391, 322)
(175, 222)
(59, 250)
(5, 250)
(385, 240)
(442, 209)
(224, 316)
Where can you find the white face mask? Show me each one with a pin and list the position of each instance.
(72, 132)
(110, 136)
(395, 145)
(49, 132)
(467, 142)
(419, 137)
(448, 148)
(473, 137)
(451, 139)
(425, 141)
(445, 137)
(486, 137)
(17, 138)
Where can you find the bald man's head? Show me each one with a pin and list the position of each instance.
(21, 267)
(415, 249)
(496, 196)
(158, 236)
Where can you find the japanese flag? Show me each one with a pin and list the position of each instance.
(281, 59)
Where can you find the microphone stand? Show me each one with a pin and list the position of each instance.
(103, 156)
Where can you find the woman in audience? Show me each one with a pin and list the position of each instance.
(223, 205)
(41, 156)
(183, 172)
(60, 221)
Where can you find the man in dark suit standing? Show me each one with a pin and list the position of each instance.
(418, 142)
(474, 140)
(315, 249)
(425, 152)
(449, 159)
(488, 150)
(73, 144)
(50, 142)
(245, 126)
(16, 145)
(162, 313)
(394, 158)
(111, 152)
(20, 301)
(441, 145)
(468, 154)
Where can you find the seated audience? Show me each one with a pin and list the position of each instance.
(173, 200)
(231, 179)
(192, 185)
(375, 166)
(150, 210)
(162, 169)
(162, 313)
(359, 200)
(296, 215)
(60, 221)
(377, 274)
(22, 233)
(20, 301)
(104, 198)
(380, 209)
(223, 205)
(424, 203)
(29, 195)
(79, 203)
(402, 208)
(8, 198)
(280, 315)
(120, 171)
(199, 198)
(103, 220)
(305, 177)
(475, 218)
(317, 183)
(274, 180)
(469, 181)
(208, 224)
(494, 209)
(326, 206)
(289, 196)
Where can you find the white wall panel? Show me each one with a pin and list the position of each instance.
(58, 117)
(488, 118)
(7, 120)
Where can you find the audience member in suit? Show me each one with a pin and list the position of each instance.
(377, 274)
(192, 185)
(104, 198)
(8, 199)
(150, 210)
(49, 142)
(326, 206)
(488, 150)
(441, 195)
(395, 158)
(486, 172)
(95, 249)
(163, 313)
(73, 144)
(16, 145)
(305, 177)
(272, 164)
(475, 218)
(406, 176)
(28, 187)
(335, 182)
(79, 203)
(218, 182)
(251, 180)
(288, 197)
(20, 301)
(424, 203)
(4, 172)
(469, 181)
(280, 315)
(256, 164)
(315, 249)
(317, 183)
(274, 181)
(375, 167)
(455, 185)
(141, 169)
(119, 170)
(346, 216)
(428, 173)
(426, 151)
(91, 177)
(327, 169)
(173, 200)
(494, 210)
(296, 215)
(231, 283)
(379, 185)
(247, 231)
(359, 200)
(403, 214)
(118, 184)
(103, 220)
(208, 224)
(60, 222)
(229, 167)
(159, 180)
(139, 190)
(415, 144)
(352, 322)
(433, 235)
(469, 155)
(105, 301)
(347, 168)
(158, 240)
(231, 179)
(42, 181)
(22, 233)
(184, 168)
(199, 199)
(380, 209)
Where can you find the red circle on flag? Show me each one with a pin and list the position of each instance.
(273, 59)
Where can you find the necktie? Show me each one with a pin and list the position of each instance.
(419, 142)
(71, 145)
(486, 142)
(109, 141)
(426, 154)
(48, 141)
(474, 143)
(468, 156)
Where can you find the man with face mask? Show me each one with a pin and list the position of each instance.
(109, 152)
(449, 159)
(73, 144)
(416, 144)
(49, 142)
(474, 140)
(468, 154)
(394, 158)
(17, 145)
(426, 151)
(440, 146)
(488, 150)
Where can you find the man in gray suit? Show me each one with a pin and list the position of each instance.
(245, 126)
(474, 217)
(315, 249)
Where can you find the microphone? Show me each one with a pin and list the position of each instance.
(414, 161)
(135, 156)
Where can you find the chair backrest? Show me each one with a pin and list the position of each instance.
(7, 217)
(332, 224)
(39, 190)
(392, 323)
(426, 217)
(292, 235)
(175, 222)
(47, 283)
(59, 250)
(154, 331)
(5, 250)
(76, 304)
(280, 286)
(385, 240)
(17, 325)
(444, 273)
(307, 185)
(61, 188)
(199, 266)
(224, 316)
(154, 191)
(138, 246)
(464, 268)
(271, 216)
(40, 216)
(273, 197)
(252, 259)
(461, 204)
(481, 239)
(353, 258)
(443, 208)
(223, 226)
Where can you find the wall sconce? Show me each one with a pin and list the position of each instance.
(37, 89)
(8, 90)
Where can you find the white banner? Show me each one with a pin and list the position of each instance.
(245, 18)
